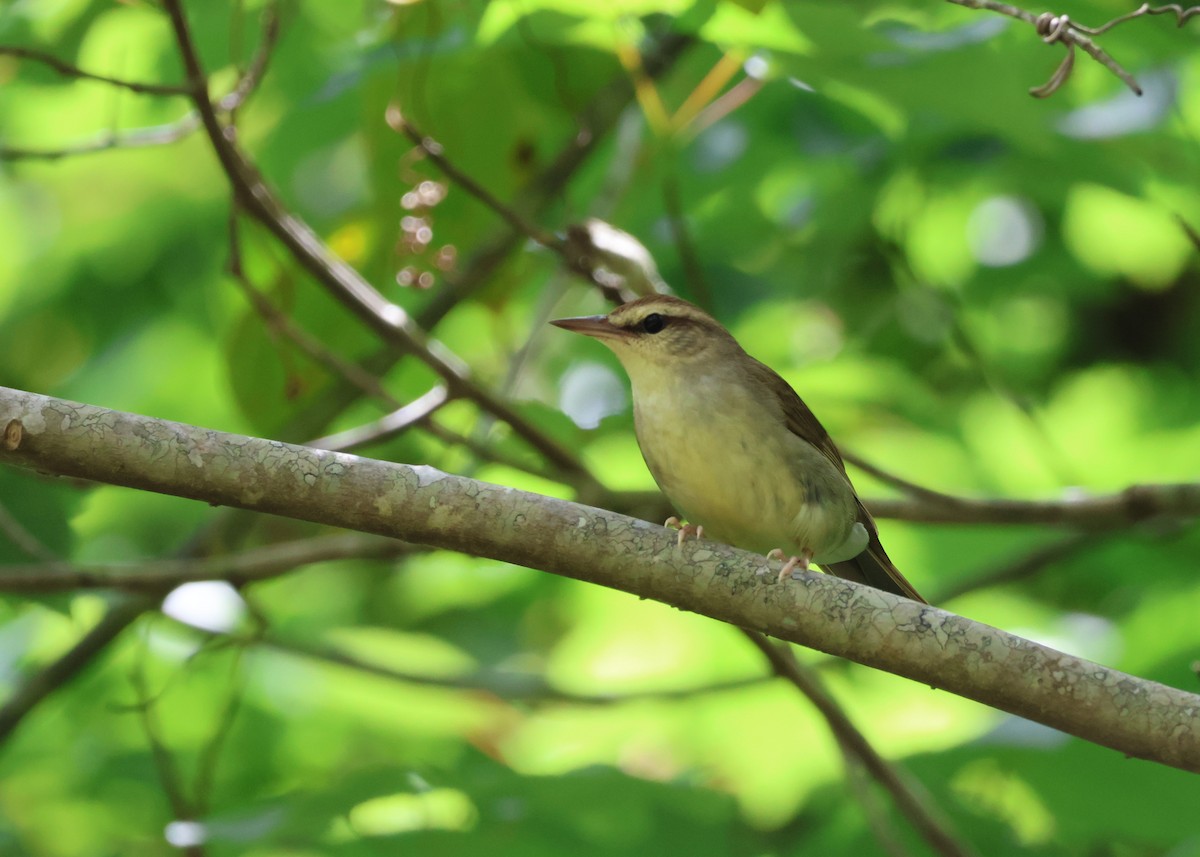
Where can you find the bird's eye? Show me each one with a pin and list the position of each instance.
(653, 323)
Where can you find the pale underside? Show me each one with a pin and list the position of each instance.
(734, 468)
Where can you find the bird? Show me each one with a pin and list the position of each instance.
(734, 448)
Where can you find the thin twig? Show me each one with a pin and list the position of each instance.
(433, 150)
(684, 246)
(644, 89)
(385, 318)
(172, 132)
(26, 541)
(1025, 566)
(249, 80)
(1133, 505)
(874, 806)
(239, 568)
(1061, 29)
(38, 686)
(164, 762)
(740, 93)
(158, 135)
(210, 754)
(66, 69)
(912, 489)
(540, 192)
(503, 684)
(1190, 231)
(601, 115)
(415, 413)
(568, 247)
(311, 346)
(910, 798)
(1181, 17)
(706, 91)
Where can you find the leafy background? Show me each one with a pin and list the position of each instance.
(983, 292)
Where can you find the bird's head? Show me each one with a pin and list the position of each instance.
(658, 335)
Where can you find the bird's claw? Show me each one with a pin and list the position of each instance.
(791, 563)
(685, 530)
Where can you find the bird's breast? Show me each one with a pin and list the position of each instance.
(728, 462)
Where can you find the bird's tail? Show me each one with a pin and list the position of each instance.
(873, 566)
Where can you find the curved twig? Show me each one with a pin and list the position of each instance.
(1062, 30)
(909, 797)
(67, 70)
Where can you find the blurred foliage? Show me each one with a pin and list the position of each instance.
(982, 292)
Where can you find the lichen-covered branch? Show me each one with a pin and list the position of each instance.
(423, 505)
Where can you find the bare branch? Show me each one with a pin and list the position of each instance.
(58, 672)
(1133, 505)
(249, 80)
(210, 754)
(415, 413)
(158, 135)
(167, 771)
(602, 113)
(910, 798)
(501, 683)
(67, 70)
(593, 250)
(1190, 231)
(316, 350)
(1181, 16)
(919, 492)
(172, 132)
(420, 504)
(26, 541)
(433, 150)
(1061, 29)
(685, 247)
(164, 762)
(382, 316)
(240, 568)
(740, 93)
(1024, 566)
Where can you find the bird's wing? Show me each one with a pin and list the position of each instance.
(799, 420)
(873, 566)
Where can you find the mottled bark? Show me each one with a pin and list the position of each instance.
(423, 505)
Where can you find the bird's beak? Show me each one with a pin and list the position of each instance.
(597, 326)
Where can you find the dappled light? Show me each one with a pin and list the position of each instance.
(327, 230)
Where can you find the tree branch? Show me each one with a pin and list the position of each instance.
(158, 575)
(64, 668)
(389, 321)
(158, 135)
(587, 249)
(1127, 507)
(908, 796)
(501, 683)
(67, 70)
(422, 505)
(1060, 28)
(167, 768)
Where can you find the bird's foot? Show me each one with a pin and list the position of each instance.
(792, 563)
(685, 530)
